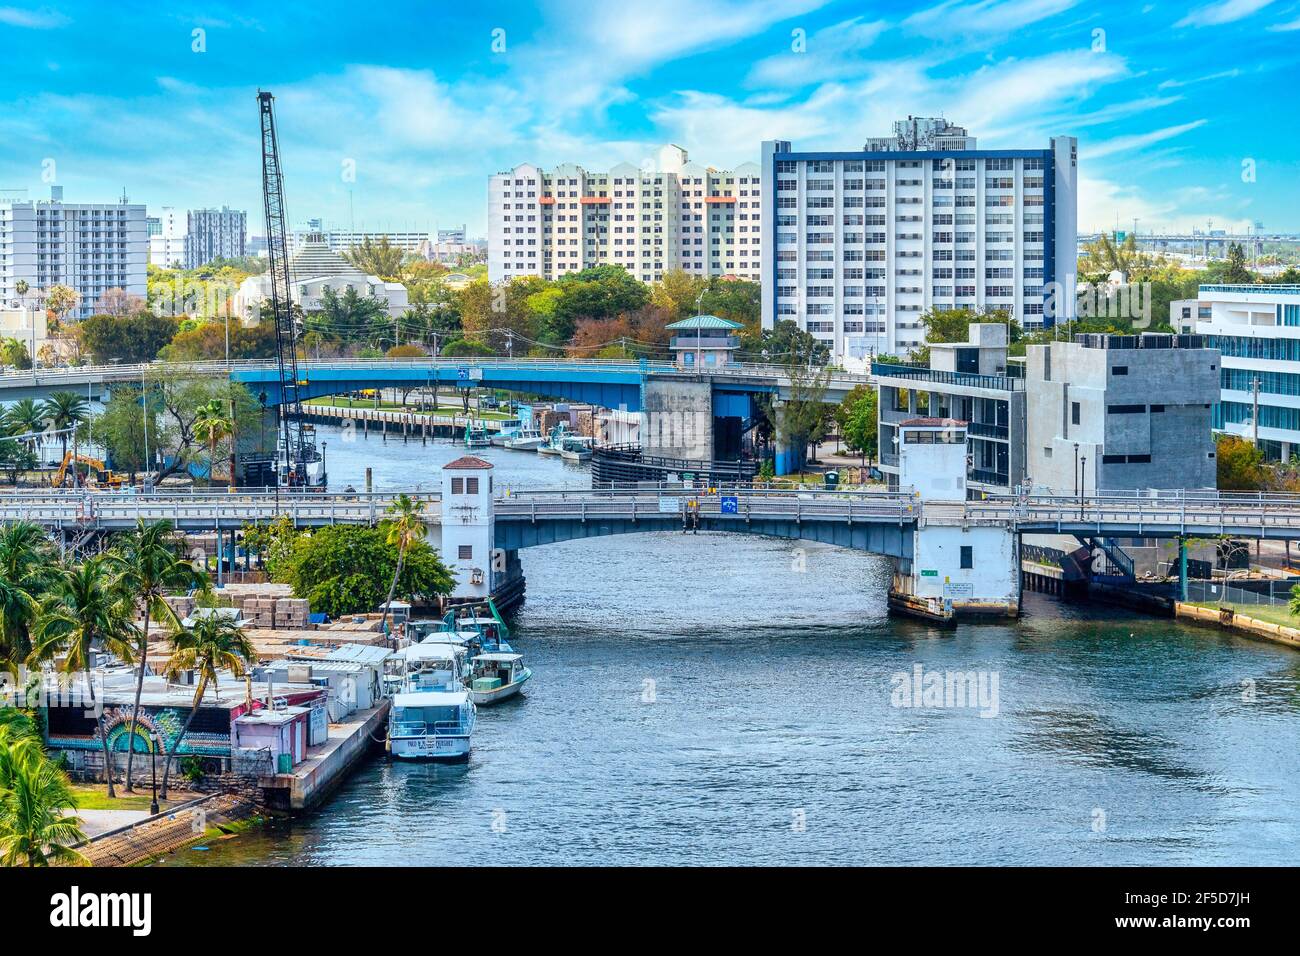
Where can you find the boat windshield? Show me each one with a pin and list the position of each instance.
(408, 721)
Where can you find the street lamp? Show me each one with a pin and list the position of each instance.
(324, 472)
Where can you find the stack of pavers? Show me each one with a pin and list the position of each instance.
(291, 613)
(260, 609)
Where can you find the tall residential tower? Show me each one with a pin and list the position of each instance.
(678, 215)
(858, 245)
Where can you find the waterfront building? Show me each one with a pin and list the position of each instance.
(168, 240)
(215, 234)
(91, 247)
(970, 382)
(704, 341)
(1256, 329)
(1119, 412)
(858, 245)
(677, 215)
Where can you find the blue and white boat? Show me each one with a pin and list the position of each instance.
(433, 715)
(554, 444)
(508, 429)
(476, 435)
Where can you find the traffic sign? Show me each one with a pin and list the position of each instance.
(730, 505)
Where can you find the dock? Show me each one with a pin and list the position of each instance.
(327, 765)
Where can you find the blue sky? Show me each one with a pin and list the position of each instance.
(1168, 100)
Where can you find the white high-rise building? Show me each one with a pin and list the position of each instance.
(857, 246)
(91, 247)
(680, 215)
(168, 240)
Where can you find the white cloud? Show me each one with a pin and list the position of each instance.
(1285, 27)
(42, 19)
(1223, 75)
(984, 17)
(1227, 11)
(832, 53)
(1122, 144)
(1103, 203)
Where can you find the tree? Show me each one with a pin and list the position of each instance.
(379, 258)
(1236, 271)
(178, 397)
(13, 352)
(349, 317)
(459, 348)
(211, 425)
(65, 411)
(121, 428)
(406, 351)
(340, 569)
(801, 418)
(214, 643)
(1109, 254)
(119, 302)
(23, 417)
(782, 344)
(86, 611)
(208, 341)
(1239, 465)
(150, 564)
(60, 300)
(404, 527)
(37, 822)
(861, 429)
(133, 338)
(26, 570)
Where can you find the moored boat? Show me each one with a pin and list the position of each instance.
(494, 677)
(527, 438)
(576, 448)
(432, 716)
(476, 436)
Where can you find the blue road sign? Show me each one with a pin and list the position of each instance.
(730, 505)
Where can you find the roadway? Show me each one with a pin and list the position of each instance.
(1164, 516)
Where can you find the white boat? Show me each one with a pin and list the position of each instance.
(576, 448)
(527, 438)
(508, 430)
(555, 443)
(476, 436)
(432, 717)
(496, 677)
(431, 725)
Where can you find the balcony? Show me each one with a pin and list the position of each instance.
(922, 373)
(987, 430)
(983, 477)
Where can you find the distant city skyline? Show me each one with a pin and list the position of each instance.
(398, 126)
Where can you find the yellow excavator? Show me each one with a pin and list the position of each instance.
(99, 473)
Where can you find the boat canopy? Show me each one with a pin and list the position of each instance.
(431, 698)
(500, 658)
(432, 652)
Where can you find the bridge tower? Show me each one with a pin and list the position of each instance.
(957, 568)
(467, 526)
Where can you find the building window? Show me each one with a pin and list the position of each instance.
(1074, 413)
(458, 486)
(1119, 370)
(967, 557)
(471, 486)
(465, 552)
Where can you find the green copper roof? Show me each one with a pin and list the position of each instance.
(705, 322)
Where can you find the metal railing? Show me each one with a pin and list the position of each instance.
(923, 373)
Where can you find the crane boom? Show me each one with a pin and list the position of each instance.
(298, 448)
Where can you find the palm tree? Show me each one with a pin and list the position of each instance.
(36, 825)
(214, 643)
(150, 564)
(212, 425)
(65, 411)
(26, 569)
(405, 527)
(87, 610)
(23, 418)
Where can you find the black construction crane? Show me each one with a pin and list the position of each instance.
(299, 450)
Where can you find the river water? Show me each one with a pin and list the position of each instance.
(716, 698)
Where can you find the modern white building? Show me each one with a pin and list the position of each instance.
(857, 246)
(1256, 329)
(679, 215)
(168, 240)
(313, 269)
(342, 240)
(91, 247)
(215, 234)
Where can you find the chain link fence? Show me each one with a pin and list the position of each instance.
(1224, 593)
